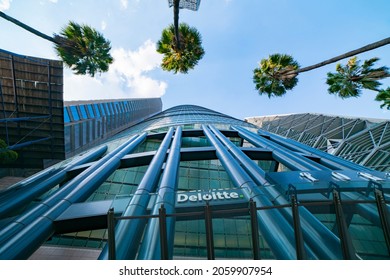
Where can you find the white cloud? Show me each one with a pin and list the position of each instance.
(127, 77)
(53, 1)
(124, 4)
(103, 25)
(5, 4)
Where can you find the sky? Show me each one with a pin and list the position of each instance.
(236, 35)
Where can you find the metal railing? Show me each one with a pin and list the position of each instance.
(346, 245)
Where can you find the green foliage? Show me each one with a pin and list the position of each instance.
(276, 75)
(349, 80)
(6, 155)
(384, 96)
(83, 49)
(187, 56)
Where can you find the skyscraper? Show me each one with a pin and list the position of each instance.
(88, 123)
(192, 183)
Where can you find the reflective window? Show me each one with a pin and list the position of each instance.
(108, 112)
(112, 108)
(66, 115)
(83, 112)
(102, 109)
(97, 110)
(90, 111)
(74, 113)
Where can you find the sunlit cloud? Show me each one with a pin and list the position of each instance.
(103, 25)
(124, 4)
(53, 1)
(127, 78)
(5, 4)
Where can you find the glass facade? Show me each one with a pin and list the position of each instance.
(192, 183)
(363, 141)
(89, 123)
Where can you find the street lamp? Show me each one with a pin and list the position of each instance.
(187, 4)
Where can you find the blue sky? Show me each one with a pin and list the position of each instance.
(236, 34)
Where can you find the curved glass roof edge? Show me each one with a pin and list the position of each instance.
(156, 122)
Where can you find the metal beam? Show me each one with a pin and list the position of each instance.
(150, 249)
(24, 235)
(128, 233)
(274, 227)
(14, 199)
(290, 159)
(315, 232)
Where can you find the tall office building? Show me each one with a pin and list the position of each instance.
(31, 110)
(36, 123)
(192, 183)
(88, 123)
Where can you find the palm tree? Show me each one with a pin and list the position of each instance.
(288, 71)
(274, 77)
(180, 44)
(82, 48)
(349, 80)
(384, 96)
(183, 58)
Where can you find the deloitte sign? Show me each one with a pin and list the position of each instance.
(212, 196)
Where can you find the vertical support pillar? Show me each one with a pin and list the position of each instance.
(15, 87)
(345, 238)
(255, 230)
(50, 108)
(16, 101)
(209, 232)
(274, 227)
(4, 114)
(111, 234)
(384, 217)
(299, 242)
(128, 234)
(162, 218)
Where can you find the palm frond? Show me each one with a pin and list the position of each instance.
(275, 75)
(83, 49)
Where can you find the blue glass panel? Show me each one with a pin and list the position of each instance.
(66, 115)
(102, 109)
(127, 106)
(83, 112)
(90, 111)
(122, 107)
(115, 107)
(106, 109)
(97, 111)
(74, 112)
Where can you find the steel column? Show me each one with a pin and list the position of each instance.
(290, 159)
(345, 238)
(150, 248)
(384, 217)
(329, 160)
(111, 234)
(315, 232)
(15, 198)
(209, 232)
(162, 219)
(128, 233)
(334, 162)
(299, 242)
(24, 235)
(254, 230)
(274, 227)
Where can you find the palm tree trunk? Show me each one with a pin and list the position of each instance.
(28, 28)
(176, 22)
(369, 47)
